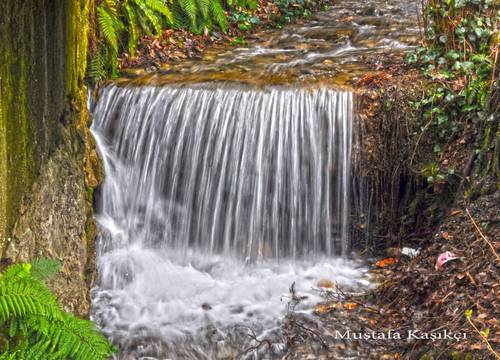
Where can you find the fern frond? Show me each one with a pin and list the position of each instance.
(38, 328)
(97, 67)
(150, 15)
(218, 14)
(16, 272)
(111, 6)
(204, 8)
(181, 20)
(108, 26)
(161, 7)
(72, 338)
(189, 8)
(43, 269)
(133, 28)
(24, 297)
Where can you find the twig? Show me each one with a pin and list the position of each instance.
(294, 326)
(482, 235)
(342, 295)
(422, 133)
(313, 332)
(251, 334)
(485, 339)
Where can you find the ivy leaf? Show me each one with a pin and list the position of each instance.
(467, 65)
(442, 119)
(452, 55)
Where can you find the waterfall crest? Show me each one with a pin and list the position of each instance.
(251, 173)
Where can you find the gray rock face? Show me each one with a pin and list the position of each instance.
(48, 163)
(53, 224)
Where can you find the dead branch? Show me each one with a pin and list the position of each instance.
(482, 235)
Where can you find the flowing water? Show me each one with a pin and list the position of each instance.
(221, 194)
(216, 200)
(332, 48)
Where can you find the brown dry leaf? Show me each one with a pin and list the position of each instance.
(446, 235)
(325, 283)
(321, 309)
(386, 262)
(482, 316)
(350, 306)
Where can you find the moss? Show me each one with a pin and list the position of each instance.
(16, 152)
(77, 45)
(43, 52)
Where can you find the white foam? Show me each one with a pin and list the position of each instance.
(150, 291)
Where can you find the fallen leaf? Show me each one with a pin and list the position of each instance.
(386, 262)
(446, 235)
(321, 309)
(325, 283)
(350, 306)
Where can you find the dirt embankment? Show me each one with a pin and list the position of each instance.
(460, 214)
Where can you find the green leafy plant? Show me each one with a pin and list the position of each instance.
(125, 21)
(121, 24)
(243, 4)
(33, 325)
(459, 55)
(244, 20)
(291, 9)
(199, 15)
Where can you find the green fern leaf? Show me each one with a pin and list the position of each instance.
(150, 15)
(108, 26)
(111, 6)
(43, 269)
(161, 7)
(204, 8)
(189, 8)
(218, 14)
(38, 326)
(22, 298)
(97, 67)
(133, 28)
(181, 20)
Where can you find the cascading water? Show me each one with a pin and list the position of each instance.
(216, 199)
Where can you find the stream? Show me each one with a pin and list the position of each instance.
(228, 179)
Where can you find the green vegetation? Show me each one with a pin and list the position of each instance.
(290, 9)
(244, 19)
(33, 325)
(459, 56)
(123, 22)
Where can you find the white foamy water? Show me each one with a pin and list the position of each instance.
(150, 297)
(149, 289)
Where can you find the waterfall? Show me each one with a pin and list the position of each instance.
(216, 199)
(247, 172)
